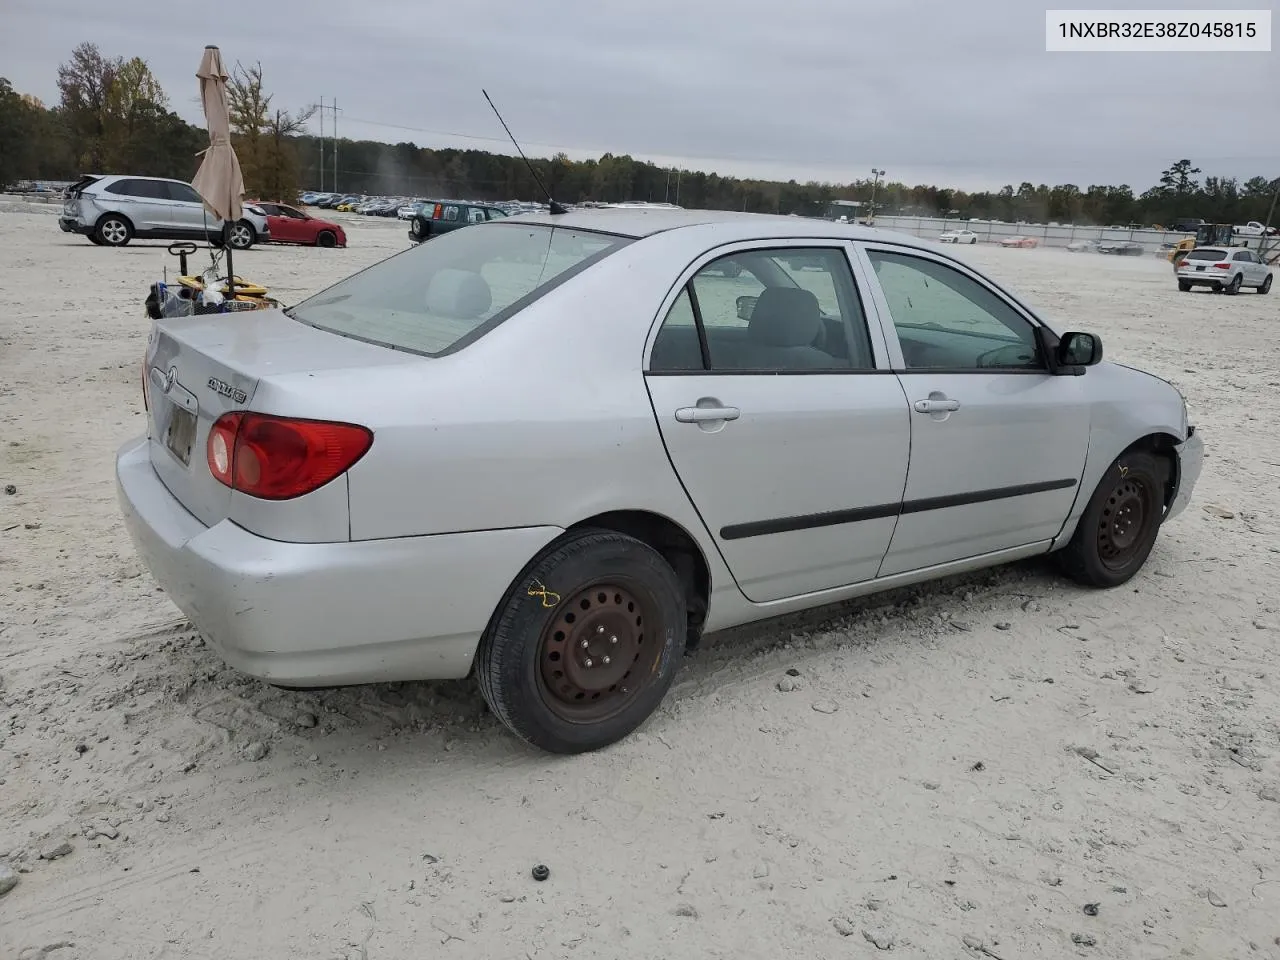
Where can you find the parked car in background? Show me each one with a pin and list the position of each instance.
(112, 209)
(1083, 246)
(291, 225)
(958, 236)
(1224, 269)
(1255, 229)
(425, 507)
(406, 211)
(445, 215)
(1121, 248)
(1019, 242)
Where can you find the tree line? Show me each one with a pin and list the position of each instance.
(113, 116)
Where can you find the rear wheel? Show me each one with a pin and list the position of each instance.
(1184, 286)
(1266, 285)
(1119, 526)
(113, 231)
(1233, 287)
(326, 239)
(585, 644)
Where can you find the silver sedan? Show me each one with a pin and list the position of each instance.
(558, 450)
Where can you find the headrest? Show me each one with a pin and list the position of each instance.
(458, 294)
(785, 317)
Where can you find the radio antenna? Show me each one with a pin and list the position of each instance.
(555, 207)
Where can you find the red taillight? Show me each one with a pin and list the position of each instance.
(1222, 266)
(278, 458)
(438, 212)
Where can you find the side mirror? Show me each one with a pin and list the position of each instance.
(1079, 350)
(746, 306)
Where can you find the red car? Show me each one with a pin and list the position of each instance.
(290, 225)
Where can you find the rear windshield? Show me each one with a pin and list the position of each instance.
(1206, 253)
(437, 298)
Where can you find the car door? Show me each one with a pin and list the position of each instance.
(187, 209)
(781, 416)
(998, 443)
(287, 224)
(144, 202)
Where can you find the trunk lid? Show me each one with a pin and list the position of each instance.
(198, 368)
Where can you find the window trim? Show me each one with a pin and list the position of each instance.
(880, 354)
(863, 249)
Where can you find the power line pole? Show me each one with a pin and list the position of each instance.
(322, 144)
(335, 143)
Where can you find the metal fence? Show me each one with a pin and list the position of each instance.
(1049, 235)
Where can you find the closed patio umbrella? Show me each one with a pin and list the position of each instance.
(219, 180)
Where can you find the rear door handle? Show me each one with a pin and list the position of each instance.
(936, 406)
(707, 414)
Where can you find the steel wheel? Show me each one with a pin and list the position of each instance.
(241, 236)
(1123, 522)
(594, 657)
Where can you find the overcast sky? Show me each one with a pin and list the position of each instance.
(952, 92)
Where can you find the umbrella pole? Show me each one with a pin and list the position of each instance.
(231, 270)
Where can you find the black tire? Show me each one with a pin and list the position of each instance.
(1266, 285)
(113, 230)
(554, 627)
(93, 238)
(242, 236)
(1119, 526)
(326, 238)
(1184, 286)
(1232, 288)
(418, 230)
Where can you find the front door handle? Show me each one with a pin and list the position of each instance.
(707, 414)
(936, 406)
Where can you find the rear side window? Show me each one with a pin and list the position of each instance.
(1206, 253)
(435, 299)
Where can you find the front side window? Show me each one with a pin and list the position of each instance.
(438, 297)
(770, 311)
(946, 320)
(496, 214)
(183, 192)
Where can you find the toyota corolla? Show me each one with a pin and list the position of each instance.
(557, 450)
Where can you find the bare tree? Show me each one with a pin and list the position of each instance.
(265, 137)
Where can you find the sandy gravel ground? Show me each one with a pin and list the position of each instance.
(920, 793)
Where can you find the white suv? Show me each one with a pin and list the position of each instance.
(111, 210)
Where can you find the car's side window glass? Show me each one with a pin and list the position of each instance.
(125, 188)
(451, 213)
(947, 320)
(677, 347)
(150, 189)
(496, 215)
(782, 310)
(475, 215)
(183, 192)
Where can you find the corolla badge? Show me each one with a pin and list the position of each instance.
(227, 390)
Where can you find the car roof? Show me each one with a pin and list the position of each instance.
(639, 222)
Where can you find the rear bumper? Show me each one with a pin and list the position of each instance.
(67, 225)
(323, 614)
(1190, 463)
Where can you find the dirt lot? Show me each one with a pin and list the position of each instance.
(944, 808)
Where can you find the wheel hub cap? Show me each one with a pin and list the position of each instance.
(590, 653)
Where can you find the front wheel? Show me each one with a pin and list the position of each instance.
(242, 235)
(585, 644)
(326, 239)
(1266, 285)
(1119, 526)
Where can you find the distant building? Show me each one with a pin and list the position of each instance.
(843, 210)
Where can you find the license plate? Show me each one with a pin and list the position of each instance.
(182, 434)
(1198, 269)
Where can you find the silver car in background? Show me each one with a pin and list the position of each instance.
(112, 210)
(558, 450)
(1224, 270)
